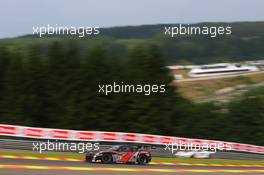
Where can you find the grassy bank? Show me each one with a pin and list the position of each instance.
(202, 88)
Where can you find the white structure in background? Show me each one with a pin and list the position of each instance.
(220, 69)
(255, 63)
(201, 154)
(176, 67)
(179, 67)
(178, 76)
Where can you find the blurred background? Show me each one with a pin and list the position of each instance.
(53, 81)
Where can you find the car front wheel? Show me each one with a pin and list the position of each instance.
(142, 159)
(107, 158)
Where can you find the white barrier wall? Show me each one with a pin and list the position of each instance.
(100, 136)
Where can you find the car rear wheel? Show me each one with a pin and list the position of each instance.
(88, 159)
(142, 160)
(107, 158)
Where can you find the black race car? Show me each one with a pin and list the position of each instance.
(120, 154)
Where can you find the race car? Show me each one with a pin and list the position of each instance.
(120, 154)
(194, 154)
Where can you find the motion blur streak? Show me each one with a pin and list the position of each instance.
(151, 163)
(126, 169)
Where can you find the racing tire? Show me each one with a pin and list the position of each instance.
(88, 159)
(107, 158)
(142, 160)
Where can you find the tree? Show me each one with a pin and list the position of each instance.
(247, 118)
(13, 98)
(4, 64)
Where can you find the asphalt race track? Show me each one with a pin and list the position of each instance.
(50, 167)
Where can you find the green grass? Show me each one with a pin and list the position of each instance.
(154, 159)
(195, 90)
(43, 154)
(206, 161)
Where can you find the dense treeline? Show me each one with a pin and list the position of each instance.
(59, 88)
(245, 42)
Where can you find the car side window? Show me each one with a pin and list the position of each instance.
(125, 149)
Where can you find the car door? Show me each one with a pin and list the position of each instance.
(125, 153)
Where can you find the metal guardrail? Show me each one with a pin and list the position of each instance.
(15, 144)
(157, 151)
(121, 137)
(28, 145)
